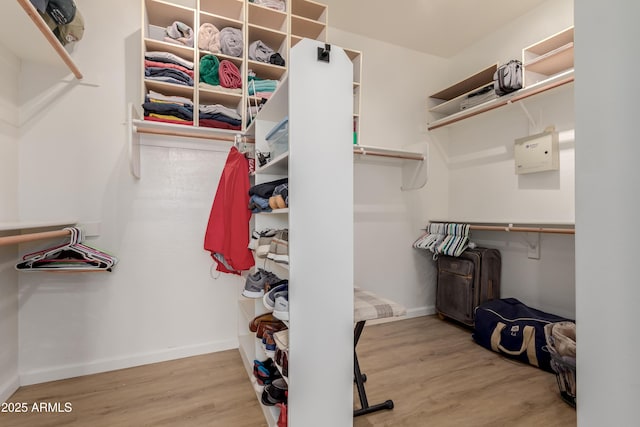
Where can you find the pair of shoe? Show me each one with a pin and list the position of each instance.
(256, 283)
(280, 197)
(281, 358)
(264, 327)
(260, 239)
(279, 247)
(265, 372)
(275, 392)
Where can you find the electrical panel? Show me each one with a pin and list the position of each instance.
(537, 153)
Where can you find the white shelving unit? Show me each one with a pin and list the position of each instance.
(317, 98)
(548, 57)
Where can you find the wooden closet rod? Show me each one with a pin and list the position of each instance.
(31, 237)
(191, 135)
(523, 229)
(51, 38)
(394, 156)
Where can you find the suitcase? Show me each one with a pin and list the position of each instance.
(467, 281)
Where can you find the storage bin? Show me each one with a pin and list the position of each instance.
(561, 343)
(278, 138)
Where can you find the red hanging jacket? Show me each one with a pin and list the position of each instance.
(227, 235)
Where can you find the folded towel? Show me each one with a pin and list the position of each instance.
(209, 38)
(258, 51)
(209, 66)
(272, 4)
(229, 75)
(218, 88)
(231, 41)
(181, 32)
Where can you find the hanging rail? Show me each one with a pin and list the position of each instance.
(518, 228)
(31, 237)
(384, 152)
(189, 134)
(51, 38)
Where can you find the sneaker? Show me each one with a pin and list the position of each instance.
(281, 306)
(261, 238)
(279, 248)
(253, 286)
(256, 283)
(269, 298)
(269, 343)
(276, 392)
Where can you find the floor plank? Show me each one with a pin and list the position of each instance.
(431, 369)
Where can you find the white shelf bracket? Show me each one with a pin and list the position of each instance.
(533, 245)
(416, 173)
(133, 142)
(532, 123)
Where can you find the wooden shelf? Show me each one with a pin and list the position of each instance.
(548, 57)
(476, 81)
(219, 21)
(163, 14)
(307, 28)
(230, 8)
(277, 166)
(25, 33)
(158, 45)
(543, 86)
(309, 9)
(276, 40)
(167, 88)
(266, 71)
(267, 17)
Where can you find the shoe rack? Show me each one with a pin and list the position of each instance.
(317, 98)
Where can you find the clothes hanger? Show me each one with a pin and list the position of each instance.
(71, 256)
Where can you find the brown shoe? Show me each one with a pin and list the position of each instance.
(266, 317)
(269, 326)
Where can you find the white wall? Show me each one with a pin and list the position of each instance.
(9, 71)
(483, 186)
(388, 220)
(160, 302)
(608, 185)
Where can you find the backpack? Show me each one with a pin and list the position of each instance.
(508, 77)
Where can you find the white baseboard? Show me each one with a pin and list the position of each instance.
(8, 388)
(69, 371)
(411, 313)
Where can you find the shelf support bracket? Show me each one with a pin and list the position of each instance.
(133, 142)
(532, 123)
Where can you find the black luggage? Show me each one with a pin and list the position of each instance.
(467, 281)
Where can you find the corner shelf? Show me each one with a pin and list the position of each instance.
(535, 89)
(30, 44)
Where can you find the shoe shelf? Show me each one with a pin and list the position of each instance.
(275, 212)
(278, 166)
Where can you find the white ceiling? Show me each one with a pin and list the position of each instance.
(437, 27)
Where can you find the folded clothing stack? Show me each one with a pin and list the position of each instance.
(269, 195)
(169, 68)
(219, 116)
(262, 88)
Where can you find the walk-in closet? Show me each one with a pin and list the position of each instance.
(245, 212)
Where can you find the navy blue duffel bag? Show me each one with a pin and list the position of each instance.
(515, 330)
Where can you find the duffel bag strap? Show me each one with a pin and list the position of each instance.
(528, 343)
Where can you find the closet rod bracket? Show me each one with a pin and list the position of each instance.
(324, 53)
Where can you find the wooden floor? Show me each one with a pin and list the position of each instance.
(431, 369)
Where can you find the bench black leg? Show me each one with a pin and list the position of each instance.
(360, 378)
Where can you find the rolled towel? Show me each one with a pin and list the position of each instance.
(209, 66)
(209, 38)
(229, 75)
(181, 32)
(231, 41)
(273, 4)
(258, 51)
